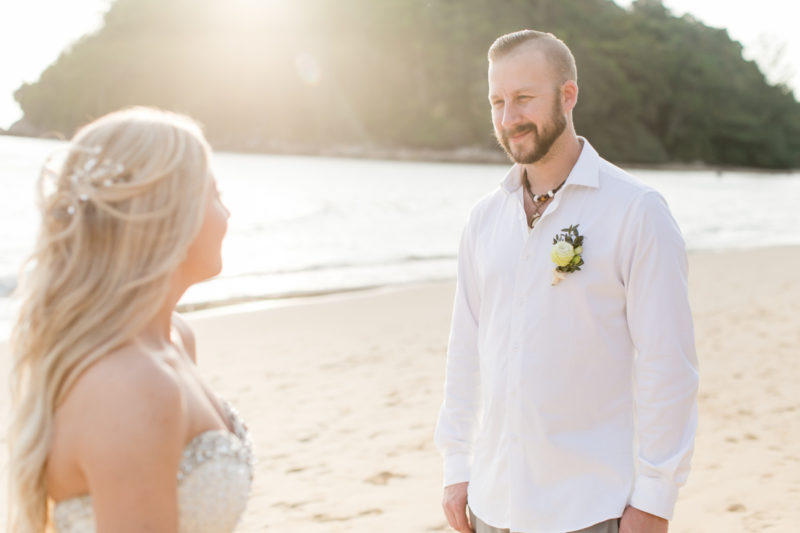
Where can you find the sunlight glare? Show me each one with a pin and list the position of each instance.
(308, 68)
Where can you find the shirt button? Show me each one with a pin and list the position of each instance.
(516, 347)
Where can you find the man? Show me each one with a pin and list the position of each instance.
(570, 397)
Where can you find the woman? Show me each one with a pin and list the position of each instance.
(113, 430)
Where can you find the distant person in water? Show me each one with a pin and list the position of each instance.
(571, 380)
(112, 424)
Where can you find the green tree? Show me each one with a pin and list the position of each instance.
(304, 75)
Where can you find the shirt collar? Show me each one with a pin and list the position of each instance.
(585, 172)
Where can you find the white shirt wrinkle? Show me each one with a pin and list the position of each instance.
(548, 388)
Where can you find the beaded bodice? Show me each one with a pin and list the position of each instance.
(213, 484)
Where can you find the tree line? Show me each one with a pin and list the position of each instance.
(306, 75)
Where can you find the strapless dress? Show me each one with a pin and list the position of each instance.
(214, 480)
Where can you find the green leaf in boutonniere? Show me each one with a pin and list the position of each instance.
(566, 253)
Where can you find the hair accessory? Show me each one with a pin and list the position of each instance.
(87, 176)
(92, 175)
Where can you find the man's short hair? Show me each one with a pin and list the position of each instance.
(554, 49)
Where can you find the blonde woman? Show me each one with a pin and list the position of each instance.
(113, 430)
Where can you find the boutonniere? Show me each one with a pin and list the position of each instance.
(566, 253)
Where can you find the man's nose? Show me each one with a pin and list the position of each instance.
(511, 116)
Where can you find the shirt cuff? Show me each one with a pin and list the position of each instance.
(456, 468)
(655, 496)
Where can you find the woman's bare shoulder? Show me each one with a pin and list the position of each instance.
(126, 401)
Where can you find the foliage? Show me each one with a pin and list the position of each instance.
(305, 74)
(571, 236)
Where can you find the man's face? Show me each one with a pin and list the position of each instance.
(527, 113)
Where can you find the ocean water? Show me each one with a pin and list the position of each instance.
(308, 225)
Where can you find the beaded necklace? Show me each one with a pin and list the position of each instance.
(539, 200)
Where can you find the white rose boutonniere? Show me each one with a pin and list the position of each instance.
(566, 253)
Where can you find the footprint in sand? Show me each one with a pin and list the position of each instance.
(320, 517)
(383, 478)
(291, 505)
(308, 438)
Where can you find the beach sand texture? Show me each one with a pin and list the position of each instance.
(341, 395)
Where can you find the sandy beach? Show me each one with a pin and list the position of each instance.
(341, 394)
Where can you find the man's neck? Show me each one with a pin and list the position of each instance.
(551, 170)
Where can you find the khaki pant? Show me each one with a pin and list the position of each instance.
(609, 526)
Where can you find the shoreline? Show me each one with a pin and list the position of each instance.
(302, 297)
(463, 155)
(234, 305)
(258, 303)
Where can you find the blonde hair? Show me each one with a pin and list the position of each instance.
(117, 218)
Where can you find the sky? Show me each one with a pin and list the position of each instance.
(763, 27)
(34, 32)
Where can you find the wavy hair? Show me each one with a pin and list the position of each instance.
(117, 216)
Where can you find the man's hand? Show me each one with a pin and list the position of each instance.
(454, 504)
(636, 521)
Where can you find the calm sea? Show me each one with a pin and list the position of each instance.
(306, 225)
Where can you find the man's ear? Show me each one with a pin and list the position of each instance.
(569, 95)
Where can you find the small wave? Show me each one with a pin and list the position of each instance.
(442, 257)
(280, 297)
(329, 209)
(316, 267)
(7, 286)
(201, 305)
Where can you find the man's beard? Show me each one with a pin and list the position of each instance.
(541, 142)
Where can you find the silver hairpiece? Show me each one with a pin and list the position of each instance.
(92, 175)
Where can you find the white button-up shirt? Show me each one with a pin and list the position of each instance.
(565, 403)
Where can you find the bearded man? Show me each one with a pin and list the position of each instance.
(571, 380)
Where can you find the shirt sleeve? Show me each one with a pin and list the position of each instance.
(665, 369)
(459, 414)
